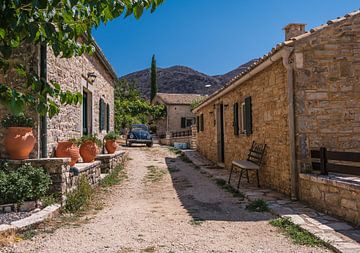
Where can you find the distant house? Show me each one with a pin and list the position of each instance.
(303, 95)
(179, 116)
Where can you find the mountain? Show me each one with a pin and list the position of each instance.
(180, 79)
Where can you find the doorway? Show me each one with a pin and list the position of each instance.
(220, 133)
(87, 113)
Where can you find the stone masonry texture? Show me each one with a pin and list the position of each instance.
(270, 125)
(70, 74)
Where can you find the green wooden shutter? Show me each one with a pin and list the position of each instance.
(183, 122)
(248, 116)
(198, 124)
(107, 117)
(236, 118)
(102, 109)
(202, 122)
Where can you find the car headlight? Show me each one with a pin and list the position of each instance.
(131, 136)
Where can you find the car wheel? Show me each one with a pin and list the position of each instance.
(149, 144)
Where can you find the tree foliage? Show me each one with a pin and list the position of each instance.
(63, 25)
(153, 78)
(130, 108)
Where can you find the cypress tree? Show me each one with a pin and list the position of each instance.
(153, 78)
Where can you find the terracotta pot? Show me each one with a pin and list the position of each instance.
(19, 142)
(88, 151)
(74, 155)
(111, 146)
(62, 149)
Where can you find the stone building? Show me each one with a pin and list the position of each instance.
(178, 112)
(92, 75)
(303, 95)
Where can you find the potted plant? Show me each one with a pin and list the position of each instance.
(19, 138)
(70, 149)
(89, 148)
(110, 142)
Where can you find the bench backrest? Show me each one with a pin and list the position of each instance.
(322, 157)
(256, 153)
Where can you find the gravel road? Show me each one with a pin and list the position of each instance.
(166, 205)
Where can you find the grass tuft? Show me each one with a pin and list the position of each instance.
(176, 151)
(297, 234)
(223, 184)
(114, 178)
(79, 198)
(258, 205)
(184, 158)
(154, 174)
(196, 222)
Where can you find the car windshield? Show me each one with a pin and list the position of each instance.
(139, 127)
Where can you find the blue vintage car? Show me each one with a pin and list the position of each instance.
(139, 133)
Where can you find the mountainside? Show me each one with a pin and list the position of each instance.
(180, 79)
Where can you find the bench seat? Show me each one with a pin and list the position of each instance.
(244, 164)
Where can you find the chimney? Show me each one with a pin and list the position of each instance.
(293, 30)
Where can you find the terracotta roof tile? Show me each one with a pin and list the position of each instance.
(178, 99)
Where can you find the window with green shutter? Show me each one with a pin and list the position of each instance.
(248, 116)
(198, 124)
(107, 117)
(102, 108)
(236, 118)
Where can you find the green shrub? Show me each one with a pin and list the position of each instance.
(258, 205)
(17, 121)
(297, 234)
(23, 184)
(111, 136)
(80, 197)
(114, 178)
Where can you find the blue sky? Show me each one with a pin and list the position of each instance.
(211, 36)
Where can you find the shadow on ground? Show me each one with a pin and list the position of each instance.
(204, 199)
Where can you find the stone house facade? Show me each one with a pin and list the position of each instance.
(91, 75)
(303, 95)
(179, 116)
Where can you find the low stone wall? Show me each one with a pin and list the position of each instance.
(172, 140)
(63, 179)
(110, 161)
(334, 195)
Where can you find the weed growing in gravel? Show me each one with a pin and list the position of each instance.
(297, 234)
(184, 158)
(154, 174)
(80, 197)
(27, 235)
(49, 200)
(196, 222)
(222, 184)
(173, 169)
(258, 205)
(114, 178)
(176, 151)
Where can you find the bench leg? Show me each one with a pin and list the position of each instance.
(257, 176)
(231, 171)
(241, 172)
(247, 176)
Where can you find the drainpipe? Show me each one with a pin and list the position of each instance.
(43, 119)
(291, 117)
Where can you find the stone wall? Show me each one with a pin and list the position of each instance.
(110, 161)
(70, 73)
(332, 196)
(268, 90)
(327, 90)
(28, 55)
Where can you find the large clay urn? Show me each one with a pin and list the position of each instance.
(88, 151)
(19, 142)
(68, 149)
(62, 149)
(111, 146)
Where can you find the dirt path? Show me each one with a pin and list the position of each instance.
(167, 210)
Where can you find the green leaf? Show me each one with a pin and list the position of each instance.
(2, 33)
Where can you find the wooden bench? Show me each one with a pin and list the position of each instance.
(320, 161)
(254, 162)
